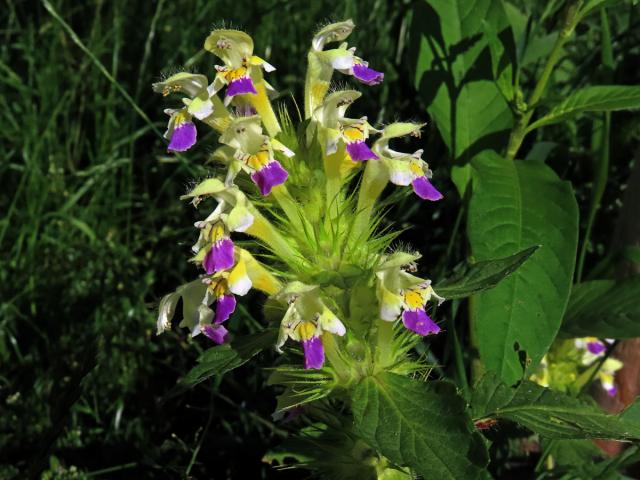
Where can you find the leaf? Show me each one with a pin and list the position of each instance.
(420, 425)
(591, 99)
(549, 413)
(515, 205)
(482, 275)
(453, 74)
(221, 359)
(632, 412)
(592, 5)
(605, 309)
(572, 453)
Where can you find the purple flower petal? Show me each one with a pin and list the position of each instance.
(359, 151)
(269, 176)
(225, 306)
(240, 86)
(183, 137)
(313, 353)
(423, 188)
(367, 75)
(220, 257)
(217, 333)
(612, 391)
(596, 347)
(419, 322)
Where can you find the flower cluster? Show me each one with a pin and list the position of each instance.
(570, 363)
(321, 240)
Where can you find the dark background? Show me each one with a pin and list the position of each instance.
(92, 233)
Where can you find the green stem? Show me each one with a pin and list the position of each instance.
(520, 130)
(374, 180)
(384, 344)
(602, 139)
(458, 356)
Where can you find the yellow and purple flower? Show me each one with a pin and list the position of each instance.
(252, 152)
(594, 349)
(323, 62)
(224, 303)
(402, 294)
(334, 129)
(307, 318)
(240, 67)
(354, 134)
(181, 131)
(406, 169)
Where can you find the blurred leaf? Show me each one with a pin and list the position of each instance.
(605, 309)
(574, 452)
(540, 151)
(515, 205)
(221, 359)
(592, 5)
(418, 424)
(591, 99)
(454, 78)
(549, 413)
(482, 275)
(538, 48)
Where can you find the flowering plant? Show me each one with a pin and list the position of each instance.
(296, 215)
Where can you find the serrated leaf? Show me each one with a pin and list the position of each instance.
(515, 205)
(605, 309)
(603, 98)
(482, 275)
(420, 425)
(549, 413)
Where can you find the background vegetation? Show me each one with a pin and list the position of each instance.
(92, 232)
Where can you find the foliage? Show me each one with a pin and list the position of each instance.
(526, 105)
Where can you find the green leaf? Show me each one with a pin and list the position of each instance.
(420, 425)
(515, 205)
(455, 81)
(591, 99)
(605, 309)
(632, 412)
(592, 5)
(221, 359)
(572, 453)
(549, 413)
(482, 275)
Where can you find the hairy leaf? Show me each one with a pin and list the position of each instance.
(482, 275)
(515, 205)
(547, 412)
(418, 424)
(605, 309)
(592, 99)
